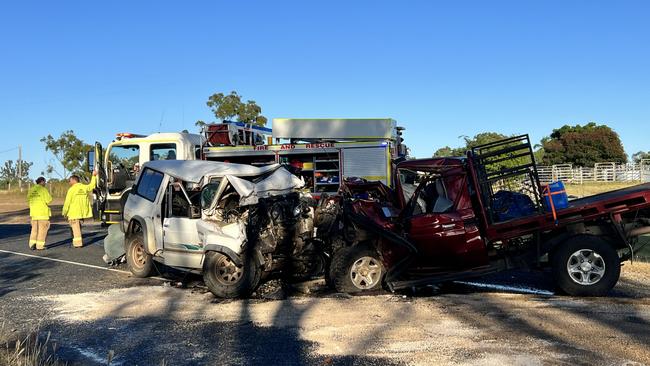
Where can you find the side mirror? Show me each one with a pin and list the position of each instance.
(90, 161)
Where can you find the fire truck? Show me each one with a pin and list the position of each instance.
(118, 166)
(321, 151)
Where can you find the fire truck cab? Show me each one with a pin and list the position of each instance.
(321, 151)
(119, 165)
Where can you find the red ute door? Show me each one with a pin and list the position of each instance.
(449, 238)
(440, 238)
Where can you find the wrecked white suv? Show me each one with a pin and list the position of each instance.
(232, 223)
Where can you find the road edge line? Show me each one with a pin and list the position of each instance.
(77, 263)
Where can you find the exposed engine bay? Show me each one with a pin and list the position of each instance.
(278, 229)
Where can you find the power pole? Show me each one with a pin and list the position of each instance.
(20, 167)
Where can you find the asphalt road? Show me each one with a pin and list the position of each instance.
(90, 310)
(26, 275)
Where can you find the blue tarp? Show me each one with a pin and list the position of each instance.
(507, 205)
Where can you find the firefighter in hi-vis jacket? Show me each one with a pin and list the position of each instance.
(77, 206)
(39, 199)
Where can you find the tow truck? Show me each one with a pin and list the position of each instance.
(119, 165)
(451, 219)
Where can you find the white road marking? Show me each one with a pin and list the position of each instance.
(75, 263)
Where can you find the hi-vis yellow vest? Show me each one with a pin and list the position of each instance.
(39, 199)
(77, 204)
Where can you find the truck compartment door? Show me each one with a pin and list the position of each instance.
(370, 163)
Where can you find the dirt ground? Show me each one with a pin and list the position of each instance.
(479, 328)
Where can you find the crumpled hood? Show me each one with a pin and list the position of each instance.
(279, 183)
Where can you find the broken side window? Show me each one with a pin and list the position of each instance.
(432, 196)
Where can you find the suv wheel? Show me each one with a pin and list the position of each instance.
(586, 266)
(227, 280)
(356, 269)
(138, 261)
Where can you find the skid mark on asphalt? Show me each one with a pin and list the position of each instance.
(74, 263)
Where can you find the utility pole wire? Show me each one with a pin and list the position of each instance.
(12, 149)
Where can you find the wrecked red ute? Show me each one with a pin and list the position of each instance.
(454, 218)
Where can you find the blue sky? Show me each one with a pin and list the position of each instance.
(442, 69)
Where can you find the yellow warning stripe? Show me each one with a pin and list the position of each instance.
(373, 177)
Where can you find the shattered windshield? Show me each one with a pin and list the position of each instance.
(208, 192)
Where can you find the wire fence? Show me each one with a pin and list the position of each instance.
(57, 189)
(601, 172)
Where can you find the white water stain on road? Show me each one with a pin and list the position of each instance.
(90, 355)
(508, 288)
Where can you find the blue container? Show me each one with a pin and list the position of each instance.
(557, 193)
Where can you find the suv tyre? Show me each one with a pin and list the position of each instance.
(227, 280)
(138, 261)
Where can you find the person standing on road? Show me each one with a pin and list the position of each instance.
(39, 200)
(77, 206)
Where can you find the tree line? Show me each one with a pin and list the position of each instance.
(578, 145)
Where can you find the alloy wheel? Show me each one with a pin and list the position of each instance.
(585, 267)
(365, 272)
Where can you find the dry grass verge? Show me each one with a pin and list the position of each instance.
(589, 189)
(15, 210)
(33, 349)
